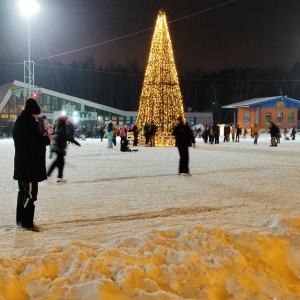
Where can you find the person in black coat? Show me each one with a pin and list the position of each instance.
(147, 133)
(152, 133)
(184, 137)
(70, 129)
(135, 131)
(293, 133)
(29, 162)
(59, 146)
(273, 130)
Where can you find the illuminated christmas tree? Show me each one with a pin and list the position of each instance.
(161, 99)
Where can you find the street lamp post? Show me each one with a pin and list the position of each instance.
(28, 8)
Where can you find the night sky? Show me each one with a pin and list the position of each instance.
(243, 33)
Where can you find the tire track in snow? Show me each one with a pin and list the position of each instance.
(148, 215)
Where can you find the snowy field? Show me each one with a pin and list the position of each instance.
(126, 226)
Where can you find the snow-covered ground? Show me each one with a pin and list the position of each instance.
(126, 226)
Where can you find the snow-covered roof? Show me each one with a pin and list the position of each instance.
(259, 101)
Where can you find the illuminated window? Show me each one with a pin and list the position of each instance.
(268, 118)
(279, 118)
(291, 118)
(246, 118)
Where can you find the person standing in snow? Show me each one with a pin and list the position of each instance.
(211, 133)
(233, 132)
(184, 137)
(101, 133)
(41, 122)
(115, 134)
(293, 133)
(254, 132)
(109, 134)
(29, 162)
(273, 132)
(135, 131)
(216, 132)
(70, 129)
(147, 134)
(152, 133)
(59, 146)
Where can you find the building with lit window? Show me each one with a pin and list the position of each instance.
(80, 111)
(281, 110)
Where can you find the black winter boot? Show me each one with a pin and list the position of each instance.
(28, 215)
(19, 214)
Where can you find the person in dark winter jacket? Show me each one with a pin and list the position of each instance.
(147, 133)
(29, 162)
(135, 131)
(124, 146)
(152, 133)
(184, 137)
(205, 134)
(70, 129)
(293, 133)
(59, 146)
(273, 130)
(41, 122)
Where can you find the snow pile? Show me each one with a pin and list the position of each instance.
(193, 263)
(126, 226)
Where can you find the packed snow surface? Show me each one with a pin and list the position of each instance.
(127, 226)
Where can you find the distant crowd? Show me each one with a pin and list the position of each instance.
(211, 133)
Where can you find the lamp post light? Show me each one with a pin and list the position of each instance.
(28, 8)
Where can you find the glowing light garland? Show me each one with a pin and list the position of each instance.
(161, 99)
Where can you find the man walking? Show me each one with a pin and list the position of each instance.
(29, 163)
(184, 137)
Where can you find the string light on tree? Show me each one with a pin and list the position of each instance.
(161, 99)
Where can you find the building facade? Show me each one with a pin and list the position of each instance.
(280, 110)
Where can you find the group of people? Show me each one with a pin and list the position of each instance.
(111, 132)
(31, 136)
(150, 130)
(211, 133)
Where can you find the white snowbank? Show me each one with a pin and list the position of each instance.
(126, 226)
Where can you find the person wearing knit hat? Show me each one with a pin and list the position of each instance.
(184, 138)
(29, 162)
(32, 107)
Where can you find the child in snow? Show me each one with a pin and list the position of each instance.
(59, 146)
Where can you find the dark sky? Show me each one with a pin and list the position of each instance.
(243, 33)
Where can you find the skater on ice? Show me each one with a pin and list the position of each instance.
(59, 146)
